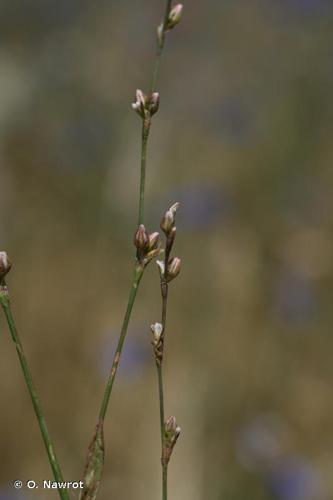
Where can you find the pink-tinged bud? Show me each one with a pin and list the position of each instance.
(140, 103)
(153, 240)
(173, 268)
(154, 103)
(172, 431)
(141, 239)
(168, 220)
(5, 264)
(174, 16)
(170, 424)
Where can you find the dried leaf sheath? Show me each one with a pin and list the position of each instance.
(94, 467)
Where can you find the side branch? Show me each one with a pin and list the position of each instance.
(5, 303)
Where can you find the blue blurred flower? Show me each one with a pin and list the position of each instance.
(233, 118)
(294, 297)
(294, 10)
(295, 479)
(305, 4)
(9, 493)
(201, 205)
(263, 447)
(135, 355)
(261, 441)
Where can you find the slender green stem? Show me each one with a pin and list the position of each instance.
(159, 47)
(138, 272)
(165, 481)
(164, 294)
(146, 122)
(144, 142)
(33, 393)
(95, 461)
(161, 399)
(162, 425)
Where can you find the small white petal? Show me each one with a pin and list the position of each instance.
(157, 328)
(160, 264)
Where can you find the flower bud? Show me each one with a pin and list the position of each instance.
(141, 239)
(174, 16)
(153, 240)
(168, 220)
(173, 268)
(157, 329)
(158, 341)
(140, 103)
(170, 424)
(154, 102)
(5, 264)
(172, 432)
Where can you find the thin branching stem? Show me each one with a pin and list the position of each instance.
(33, 393)
(161, 399)
(146, 122)
(164, 294)
(169, 429)
(165, 481)
(160, 46)
(138, 272)
(144, 142)
(94, 465)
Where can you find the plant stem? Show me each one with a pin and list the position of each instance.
(138, 272)
(164, 293)
(147, 121)
(33, 393)
(138, 269)
(162, 425)
(94, 466)
(165, 481)
(159, 47)
(144, 142)
(161, 399)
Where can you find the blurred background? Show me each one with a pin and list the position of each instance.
(243, 140)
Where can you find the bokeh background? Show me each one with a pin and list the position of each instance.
(243, 140)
